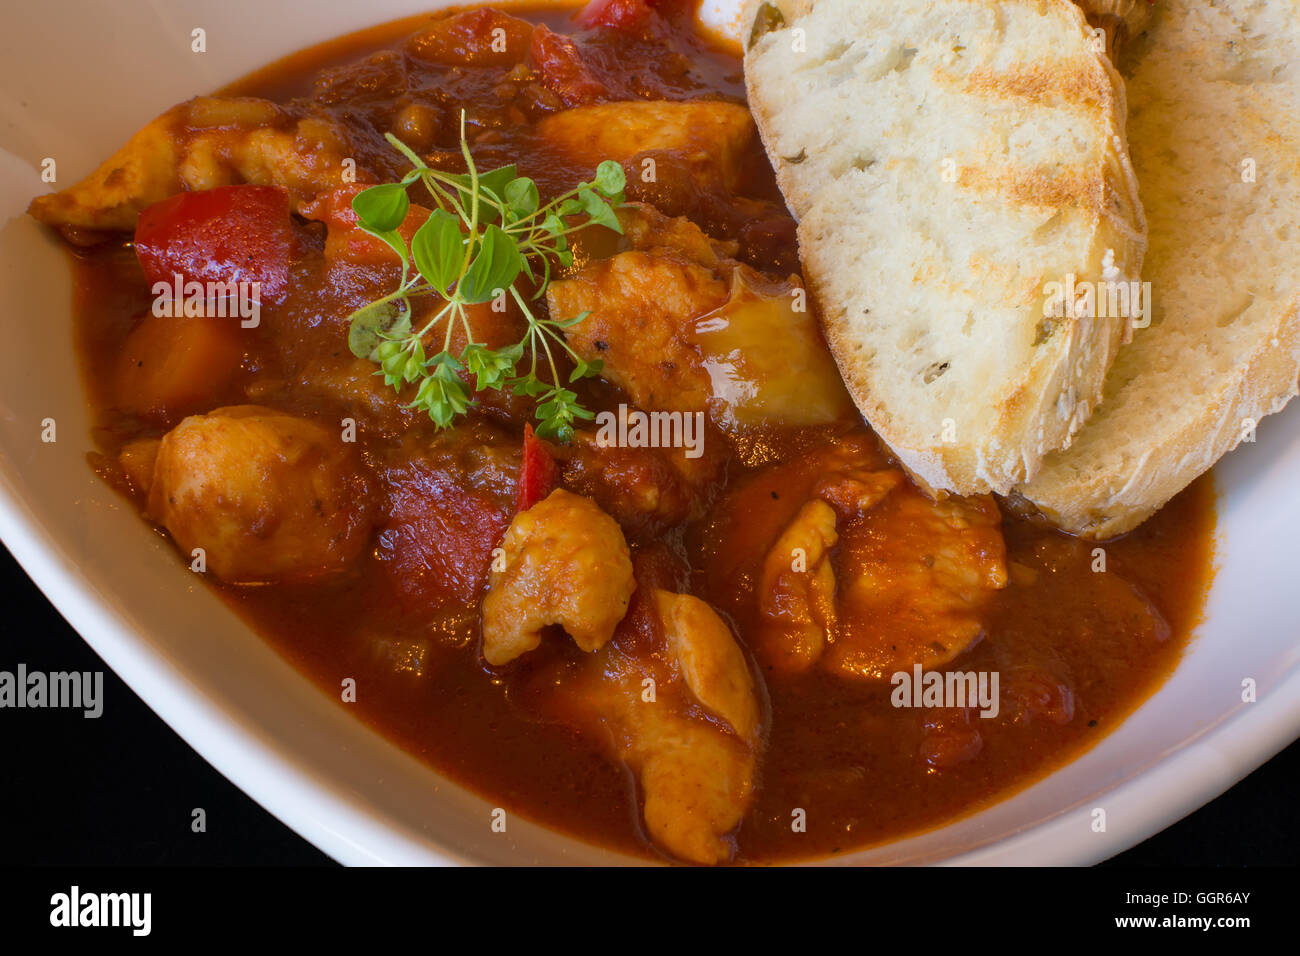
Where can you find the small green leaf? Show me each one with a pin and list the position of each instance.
(528, 385)
(393, 239)
(598, 210)
(521, 196)
(610, 179)
(496, 266)
(490, 184)
(554, 225)
(387, 351)
(585, 369)
(491, 368)
(367, 326)
(445, 365)
(394, 367)
(496, 180)
(438, 248)
(381, 208)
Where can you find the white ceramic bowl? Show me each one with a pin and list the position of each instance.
(298, 752)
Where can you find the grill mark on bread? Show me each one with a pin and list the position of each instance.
(1072, 187)
(1082, 86)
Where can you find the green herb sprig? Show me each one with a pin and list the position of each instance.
(486, 231)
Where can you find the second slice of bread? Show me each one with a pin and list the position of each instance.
(1215, 130)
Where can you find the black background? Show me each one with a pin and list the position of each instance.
(120, 789)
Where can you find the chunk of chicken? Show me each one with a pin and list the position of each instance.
(710, 132)
(682, 327)
(698, 782)
(710, 660)
(797, 596)
(639, 305)
(697, 778)
(671, 663)
(641, 302)
(857, 490)
(648, 229)
(566, 563)
(200, 144)
(646, 489)
(908, 584)
(918, 577)
(266, 495)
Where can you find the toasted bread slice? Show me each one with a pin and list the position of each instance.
(948, 160)
(1214, 94)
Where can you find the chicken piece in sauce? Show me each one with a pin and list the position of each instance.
(566, 563)
(797, 593)
(639, 304)
(200, 144)
(862, 575)
(922, 575)
(673, 697)
(680, 326)
(266, 495)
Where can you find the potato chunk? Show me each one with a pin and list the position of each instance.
(766, 360)
(566, 563)
(265, 494)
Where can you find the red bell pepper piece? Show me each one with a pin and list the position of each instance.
(345, 239)
(228, 234)
(539, 475)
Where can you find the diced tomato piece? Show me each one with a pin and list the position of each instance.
(563, 71)
(539, 475)
(481, 37)
(628, 15)
(171, 366)
(437, 542)
(228, 234)
(345, 239)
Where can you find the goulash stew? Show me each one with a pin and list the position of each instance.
(468, 357)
